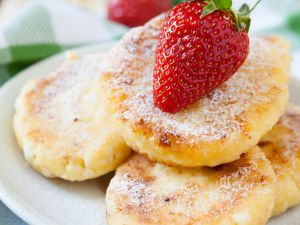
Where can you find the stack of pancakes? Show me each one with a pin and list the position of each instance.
(233, 157)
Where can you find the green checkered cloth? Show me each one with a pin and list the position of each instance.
(45, 28)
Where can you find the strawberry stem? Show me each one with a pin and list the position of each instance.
(250, 10)
(242, 16)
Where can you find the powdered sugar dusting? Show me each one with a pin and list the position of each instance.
(137, 191)
(67, 100)
(220, 114)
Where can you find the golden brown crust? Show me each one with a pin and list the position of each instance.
(144, 193)
(218, 128)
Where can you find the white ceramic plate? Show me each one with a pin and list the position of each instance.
(41, 201)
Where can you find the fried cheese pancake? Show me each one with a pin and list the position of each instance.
(144, 192)
(219, 127)
(282, 147)
(61, 126)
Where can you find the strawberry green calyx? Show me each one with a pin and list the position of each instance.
(242, 16)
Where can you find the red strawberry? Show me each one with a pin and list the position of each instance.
(201, 45)
(136, 12)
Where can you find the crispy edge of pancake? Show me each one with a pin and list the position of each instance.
(282, 147)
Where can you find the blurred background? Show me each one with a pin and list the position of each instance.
(10, 8)
(270, 15)
(32, 30)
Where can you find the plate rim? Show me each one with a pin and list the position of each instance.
(6, 198)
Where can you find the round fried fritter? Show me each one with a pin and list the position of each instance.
(146, 193)
(219, 127)
(61, 126)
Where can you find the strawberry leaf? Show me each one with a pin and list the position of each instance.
(243, 22)
(244, 9)
(209, 8)
(223, 4)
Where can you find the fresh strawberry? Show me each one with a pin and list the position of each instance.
(136, 12)
(201, 45)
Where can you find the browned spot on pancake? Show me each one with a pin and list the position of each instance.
(141, 122)
(242, 124)
(164, 140)
(284, 139)
(39, 136)
(128, 81)
(37, 97)
(277, 154)
(141, 126)
(291, 120)
(264, 144)
(140, 171)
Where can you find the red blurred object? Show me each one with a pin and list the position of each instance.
(136, 12)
